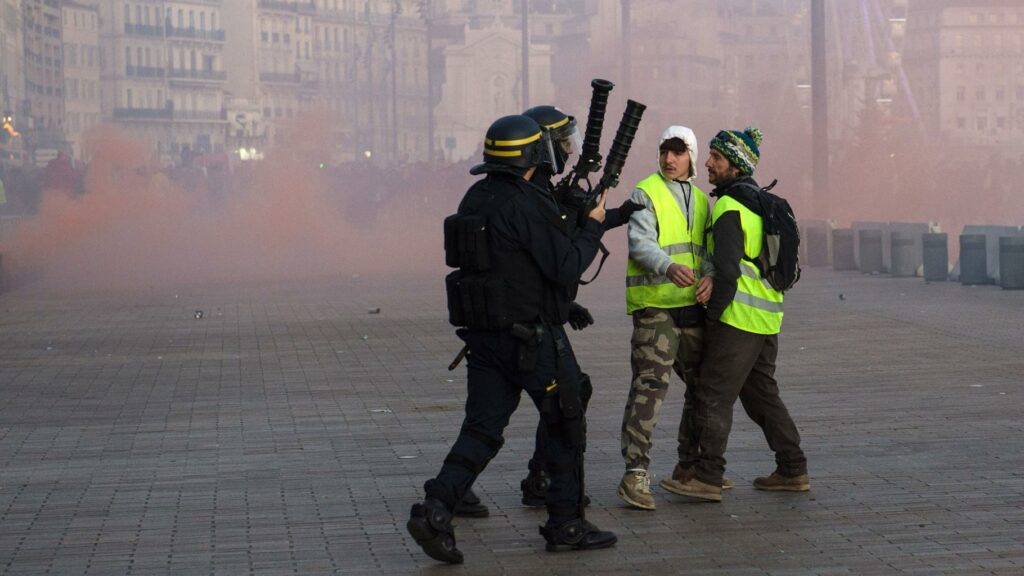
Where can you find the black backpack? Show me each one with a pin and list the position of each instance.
(779, 260)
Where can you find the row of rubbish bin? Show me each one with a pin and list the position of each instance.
(925, 254)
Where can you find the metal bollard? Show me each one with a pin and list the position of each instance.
(842, 250)
(1011, 262)
(870, 251)
(935, 253)
(903, 261)
(817, 246)
(973, 260)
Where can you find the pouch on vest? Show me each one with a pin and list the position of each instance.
(465, 242)
(476, 301)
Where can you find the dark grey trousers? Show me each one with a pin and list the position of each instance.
(742, 364)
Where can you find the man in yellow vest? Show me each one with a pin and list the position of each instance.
(667, 274)
(741, 336)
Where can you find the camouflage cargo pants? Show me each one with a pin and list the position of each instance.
(659, 347)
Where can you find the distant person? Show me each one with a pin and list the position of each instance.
(59, 174)
(667, 277)
(3, 192)
(509, 295)
(741, 335)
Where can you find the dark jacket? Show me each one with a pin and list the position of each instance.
(728, 242)
(531, 251)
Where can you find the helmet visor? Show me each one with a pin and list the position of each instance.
(567, 137)
(546, 152)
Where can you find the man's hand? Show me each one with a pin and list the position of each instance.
(704, 289)
(579, 317)
(597, 213)
(680, 275)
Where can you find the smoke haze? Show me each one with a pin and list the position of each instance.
(285, 217)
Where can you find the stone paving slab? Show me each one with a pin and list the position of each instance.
(289, 430)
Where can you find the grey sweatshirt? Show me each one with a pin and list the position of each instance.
(643, 228)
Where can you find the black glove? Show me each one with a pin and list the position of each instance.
(579, 317)
(615, 217)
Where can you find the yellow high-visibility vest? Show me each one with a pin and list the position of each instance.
(756, 307)
(648, 289)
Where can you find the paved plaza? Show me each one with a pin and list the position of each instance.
(289, 430)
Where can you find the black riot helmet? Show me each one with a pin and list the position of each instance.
(514, 144)
(565, 138)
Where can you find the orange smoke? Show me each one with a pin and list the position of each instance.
(285, 218)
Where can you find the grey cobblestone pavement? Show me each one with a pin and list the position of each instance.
(289, 430)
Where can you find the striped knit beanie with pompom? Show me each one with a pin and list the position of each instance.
(741, 148)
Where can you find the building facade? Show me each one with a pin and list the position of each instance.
(965, 64)
(163, 73)
(12, 80)
(81, 72)
(43, 106)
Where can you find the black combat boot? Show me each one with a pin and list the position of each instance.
(471, 507)
(535, 488)
(431, 525)
(576, 534)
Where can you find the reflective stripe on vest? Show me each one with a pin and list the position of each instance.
(645, 288)
(756, 307)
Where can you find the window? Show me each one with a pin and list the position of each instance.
(982, 123)
(961, 93)
(127, 14)
(192, 19)
(979, 94)
(202, 20)
(1000, 93)
(181, 18)
(129, 98)
(128, 55)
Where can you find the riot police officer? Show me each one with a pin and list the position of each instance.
(517, 263)
(566, 141)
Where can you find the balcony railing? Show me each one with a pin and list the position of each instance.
(183, 74)
(144, 113)
(280, 77)
(298, 6)
(203, 115)
(196, 33)
(143, 30)
(144, 71)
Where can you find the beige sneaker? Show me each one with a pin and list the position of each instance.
(635, 489)
(779, 483)
(681, 475)
(694, 489)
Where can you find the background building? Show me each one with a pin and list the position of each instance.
(965, 63)
(81, 72)
(43, 106)
(12, 80)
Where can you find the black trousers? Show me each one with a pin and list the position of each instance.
(538, 462)
(495, 384)
(742, 364)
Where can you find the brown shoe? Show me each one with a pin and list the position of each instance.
(681, 475)
(635, 489)
(693, 488)
(779, 483)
